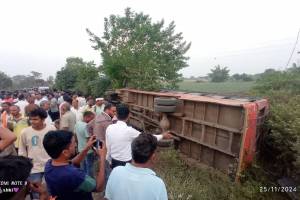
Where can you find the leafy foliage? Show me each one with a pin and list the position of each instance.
(5, 81)
(242, 77)
(141, 54)
(279, 80)
(280, 145)
(219, 74)
(78, 75)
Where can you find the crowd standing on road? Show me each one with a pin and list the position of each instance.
(63, 146)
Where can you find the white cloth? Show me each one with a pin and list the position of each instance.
(77, 113)
(118, 141)
(81, 101)
(60, 108)
(38, 102)
(22, 104)
(48, 120)
(60, 100)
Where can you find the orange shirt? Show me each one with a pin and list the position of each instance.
(4, 117)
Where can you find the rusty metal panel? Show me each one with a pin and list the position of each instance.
(184, 147)
(222, 139)
(231, 116)
(222, 161)
(189, 108)
(175, 124)
(187, 129)
(211, 114)
(236, 144)
(136, 123)
(195, 151)
(209, 135)
(207, 156)
(199, 110)
(145, 100)
(140, 99)
(196, 131)
(151, 101)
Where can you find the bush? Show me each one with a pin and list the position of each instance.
(279, 147)
(279, 80)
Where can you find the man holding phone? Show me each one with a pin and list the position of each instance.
(65, 181)
(82, 135)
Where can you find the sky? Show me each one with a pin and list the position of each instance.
(247, 36)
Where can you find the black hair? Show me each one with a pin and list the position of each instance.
(143, 147)
(56, 141)
(21, 97)
(89, 98)
(108, 106)
(67, 98)
(88, 113)
(38, 112)
(122, 112)
(14, 168)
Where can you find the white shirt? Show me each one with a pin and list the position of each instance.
(48, 120)
(38, 102)
(118, 141)
(22, 104)
(81, 101)
(77, 113)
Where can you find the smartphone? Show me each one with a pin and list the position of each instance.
(98, 144)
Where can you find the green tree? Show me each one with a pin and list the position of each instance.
(219, 74)
(139, 53)
(78, 75)
(236, 77)
(5, 81)
(242, 77)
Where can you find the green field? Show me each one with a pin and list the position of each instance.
(222, 88)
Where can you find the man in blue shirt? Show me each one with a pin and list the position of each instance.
(64, 179)
(135, 180)
(83, 135)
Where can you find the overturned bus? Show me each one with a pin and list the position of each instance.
(217, 131)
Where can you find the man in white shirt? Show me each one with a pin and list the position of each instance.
(22, 103)
(119, 137)
(45, 104)
(76, 110)
(40, 98)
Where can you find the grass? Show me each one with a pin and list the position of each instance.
(231, 87)
(192, 183)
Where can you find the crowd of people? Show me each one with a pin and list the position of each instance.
(64, 146)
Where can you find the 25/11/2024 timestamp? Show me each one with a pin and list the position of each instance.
(277, 189)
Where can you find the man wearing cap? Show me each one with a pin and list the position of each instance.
(98, 108)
